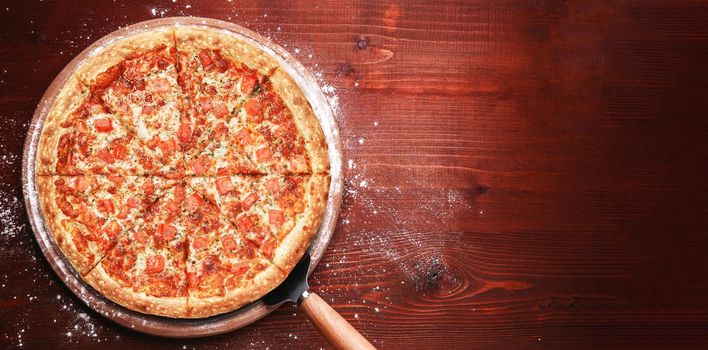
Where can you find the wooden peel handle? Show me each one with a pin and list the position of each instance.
(334, 327)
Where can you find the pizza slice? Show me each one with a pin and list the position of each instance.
(281, 133)
(224, 270)
(145, 270)
(141, 89)
(86, 214)
(217, 82)
(277, 213)
(91, 140)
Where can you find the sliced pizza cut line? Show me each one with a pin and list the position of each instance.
(87, 214)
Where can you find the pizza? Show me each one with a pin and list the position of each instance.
(182, 172)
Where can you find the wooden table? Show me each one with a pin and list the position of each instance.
(521, 174)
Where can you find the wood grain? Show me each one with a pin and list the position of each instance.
(523, 174)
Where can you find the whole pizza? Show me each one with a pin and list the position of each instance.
(182, 172)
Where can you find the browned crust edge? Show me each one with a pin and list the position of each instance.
(296, 242)
(170, 307)
(305, 120)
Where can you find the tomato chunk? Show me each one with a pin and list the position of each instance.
(141, 237)
(245, 137)
(158, 85)
(148, 187)
(224, 185)
(168, 146)
(184, 132)
(155, 264)
(112, 229)
(268, 247)
(168, 231)
(119, 151)
(248, 83)
(132, 202)
(105, 155)
(264, 154)
(106, 206)
(194, 202)
(238, 269)
(253, 107)
(103, 125)
(244, 223)
(205, 58)
(272, 185)
(202, 165)
(275, 217)
(81, 184)
(228, 242)
(199, 242)
(220, 109)
(248, 202)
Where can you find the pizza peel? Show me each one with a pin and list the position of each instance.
(164, 326)
(331, 324)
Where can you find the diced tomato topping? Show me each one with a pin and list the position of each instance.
(248, 202)
(112, 229)
(245, 137)
(119, 151)
(155, 264)
(141, 237)
(172, 206)
(81, 127)
(205, 58)
(148, 187)
(238, 269)
(199, 242)
(105, 155)
(184, 132)
(106, 206)
(264, 154)
(220, 109)
(202, 165)
(132, 202)
(224, 185)
(158, 85)
(103, 125)
(228, 242)
(244, 223)
(168, 146)
(168, 231)
(122, 212)
(180, 194)
(247, 83)
(272, 185)
(268, 247)
(253, 107)
(205, 102)
(81, 184)
(154, 142)
(117, 180)
(275, 217)
(194, 202)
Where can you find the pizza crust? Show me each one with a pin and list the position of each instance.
(70, 97)
(122, 48)
(100, 280)
(263, 283)
(294, 245)
(191, 40)
(305, 119)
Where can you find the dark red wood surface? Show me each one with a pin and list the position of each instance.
(524, 174)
